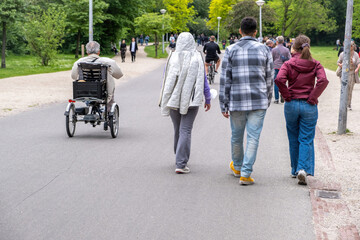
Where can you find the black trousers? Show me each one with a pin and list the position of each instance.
(133, 56)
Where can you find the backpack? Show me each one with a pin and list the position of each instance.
(282, 57)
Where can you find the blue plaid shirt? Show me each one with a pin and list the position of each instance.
(247, 76)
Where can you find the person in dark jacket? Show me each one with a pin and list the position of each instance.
(301, 98)
(210, 49)
(133, 49)
(123, 50)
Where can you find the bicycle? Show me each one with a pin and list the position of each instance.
(211, 72)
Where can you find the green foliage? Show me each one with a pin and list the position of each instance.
(182, 12)
(249, 8)
(302, 16)
(10, 10)
(198, 26)
(356, 19)
(219, 8)
(77, 12)
(153, 24)
(201, 8)
(44, 32)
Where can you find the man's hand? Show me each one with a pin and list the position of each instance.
(357, 71)
(207, 107)
(226, 114)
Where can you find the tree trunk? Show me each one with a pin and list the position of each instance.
(77, 44)
(156, 45)
(3, 64)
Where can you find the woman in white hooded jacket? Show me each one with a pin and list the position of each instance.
(182, 93)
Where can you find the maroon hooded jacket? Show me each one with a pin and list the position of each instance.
(301, 74)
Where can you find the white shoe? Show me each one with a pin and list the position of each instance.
(302, 177)
(182, 170)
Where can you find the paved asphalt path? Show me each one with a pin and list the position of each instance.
(95, 187)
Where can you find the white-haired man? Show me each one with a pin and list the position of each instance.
(93, 51)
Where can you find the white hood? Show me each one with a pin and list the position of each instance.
(184, 76)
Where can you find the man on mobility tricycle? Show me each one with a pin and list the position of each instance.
(94, 85)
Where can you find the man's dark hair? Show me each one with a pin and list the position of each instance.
(248, 25)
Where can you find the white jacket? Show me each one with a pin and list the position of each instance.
(183, 84)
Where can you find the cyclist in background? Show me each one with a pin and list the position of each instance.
(210, 50)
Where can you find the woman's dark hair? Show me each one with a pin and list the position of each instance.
(302, 45)
(248, 25)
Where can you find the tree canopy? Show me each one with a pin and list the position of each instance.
(114, 20)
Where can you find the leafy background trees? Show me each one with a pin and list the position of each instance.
(114, 20)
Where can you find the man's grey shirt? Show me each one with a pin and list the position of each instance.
(277, 52)
(247, 77)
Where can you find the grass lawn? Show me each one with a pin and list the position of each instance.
(150, 51)
(326, 56)
(27, 65)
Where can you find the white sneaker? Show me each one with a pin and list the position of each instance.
(302, 177)
(182, 170)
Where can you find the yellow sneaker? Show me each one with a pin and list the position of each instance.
(246, 181)
(235, 172)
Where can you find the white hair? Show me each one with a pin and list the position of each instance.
(280, 39)
(92, 47)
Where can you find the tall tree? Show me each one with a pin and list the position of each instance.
(44, 32)
(78, 17)
(202, 8)
(249, 8)
(297, 16)
(182, 12)
(356, 19)
(219, 8)
(9, 12)
(153, 24)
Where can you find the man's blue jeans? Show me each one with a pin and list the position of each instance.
(253, 122)
(301, 118)
(276, 89)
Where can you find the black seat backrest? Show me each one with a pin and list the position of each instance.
(90, 71)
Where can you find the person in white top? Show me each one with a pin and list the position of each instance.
(114, 71)
(133, 49)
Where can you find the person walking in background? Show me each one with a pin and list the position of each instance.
(245, 96)
(147, 39)
(353, 71)
(198, 40)
(172, 38)
(172, 45)
(123, 50)
(338, 44)
(269, 43)
(210, 49)
(141, 40)
(182, 94)
(223, 43)
(133, 49)
(280, 55)
(296, 82)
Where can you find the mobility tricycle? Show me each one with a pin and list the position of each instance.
(91, 89)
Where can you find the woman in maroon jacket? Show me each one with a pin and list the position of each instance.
(301, 113)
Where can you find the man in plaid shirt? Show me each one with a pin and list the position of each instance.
(246, 85)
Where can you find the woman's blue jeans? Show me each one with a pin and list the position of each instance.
(253, 122)
(301, 118)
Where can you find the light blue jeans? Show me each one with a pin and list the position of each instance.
(253, 122)
(301, 118)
